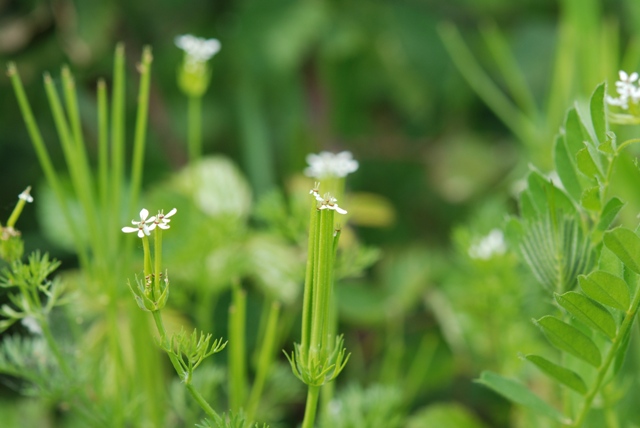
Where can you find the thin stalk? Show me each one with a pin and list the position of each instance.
(45, 160)
(80, 175)
(103, 146)
(157, 260)
(194, 130)
(265, 360)
(311, 407)
(518, 123)
(137, 163)
(157, 317)
(51, 342)
(117, 141)
(237, 349)
(611, 354)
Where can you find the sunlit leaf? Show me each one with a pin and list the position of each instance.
(518, 393)
(626, 245)
(569, 339)
(588, 312)
(565, 376)
(606, 288)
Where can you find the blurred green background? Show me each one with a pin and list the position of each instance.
(443, 103)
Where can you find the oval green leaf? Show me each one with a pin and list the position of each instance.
(586, 165)
(565, 376)
(565, 168)
(626, 245)
(606, 288)
(588, 312)
(520, 394)
(570, 340)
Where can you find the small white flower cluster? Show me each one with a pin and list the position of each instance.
(327, 202)
(626, 90)
(490, 245)
(327, 164)
(25, 195)
(146, 225)
(197, 48)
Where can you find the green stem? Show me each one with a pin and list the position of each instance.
(613, 351)
(157, 317)
(312, 405)
(194, 131)
(117, 140)
(103, 146)
(265, 360)
(45, 160)
(157, 259)
(237, 349)
(307, 300)
(137, 163)
(64, 366)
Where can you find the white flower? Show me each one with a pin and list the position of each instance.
(144, 226)
(328, 203)
(626, 89)
(330, 164)
(162, 220)
(25, 196)
(490, 245)
(196, 48)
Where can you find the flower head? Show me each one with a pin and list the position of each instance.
(197, 49)
(327, 202)
(144, 226)
(327, 164)
(162, 220)
(627, 90)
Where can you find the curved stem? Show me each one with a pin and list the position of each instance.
(613, 352)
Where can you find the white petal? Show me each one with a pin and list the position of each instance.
(633, 77)
(151, 220)
(339, 210)
(128, 229)
(623, 76)
(170, 213)
(141, 233)
(150, 227)
(144, 213)
(164, 226)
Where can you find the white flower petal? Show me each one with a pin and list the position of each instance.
(141, 233)
(144, 213)
(128, 229)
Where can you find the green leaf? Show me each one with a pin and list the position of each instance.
(606, 288)
(626, 245)
(609, 213)
(596, 107)
(564, 166)
(520, 394)
(565, 376)
(569, 339)
(588, 312)
(586, 165)
(573, 136)
(590, 199)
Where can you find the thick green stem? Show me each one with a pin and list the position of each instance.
(311, 407)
